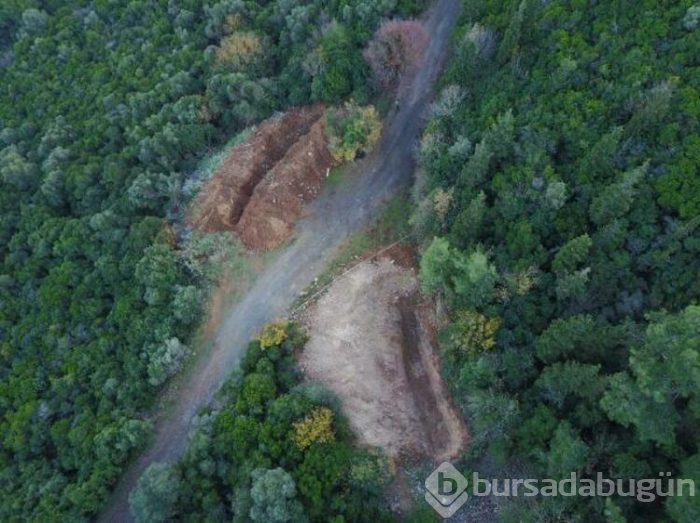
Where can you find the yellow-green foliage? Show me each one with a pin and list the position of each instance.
(518, 283)
(352, 129)
(273, 334)
(372, 468)
(316, 427)
(474, 332)
(442, 200)
(239, 49)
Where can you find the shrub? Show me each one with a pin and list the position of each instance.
(352, 129)
(273, 334)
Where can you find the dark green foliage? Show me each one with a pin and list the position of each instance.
(105, 107)
(274, 497)
(342, 70)
(155, 494)
(582, 191)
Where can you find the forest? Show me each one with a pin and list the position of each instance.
(558, 206)
(275, 449)
(105, 109)
(557, 211)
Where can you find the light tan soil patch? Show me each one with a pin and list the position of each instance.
(371, 342)
(278, 201)
(221, 202)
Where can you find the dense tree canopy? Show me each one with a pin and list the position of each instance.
(558, 211)
(104, 109)
(276, 450)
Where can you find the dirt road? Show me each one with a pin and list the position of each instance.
(330, 220)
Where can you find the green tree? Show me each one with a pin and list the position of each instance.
(616, 200)
(572, 284)
(572, 254)
(341, 70)
(474, 172)
(435, 268)
(16, 170)
(274, 497)
(686, 508)
(598, 163)
(34, 22)
(567, 453)
(469, 221)
(474, 278)
(664, 369)
(556, 195)
(511, 39)
(155, 494)
(258, 389)
(165, 360)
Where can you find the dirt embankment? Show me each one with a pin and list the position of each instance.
(372, 343)
(223, 199)
(277, 202)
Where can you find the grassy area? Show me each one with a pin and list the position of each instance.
(392, 223)
(211, 162)
(336, 176)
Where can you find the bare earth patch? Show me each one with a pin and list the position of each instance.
(278, 201)
(221, 202)
(372, 343)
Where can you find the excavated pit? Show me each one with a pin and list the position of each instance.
(223, 199)
(372, 343)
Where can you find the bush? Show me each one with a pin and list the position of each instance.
(273, 334)
(352, 129)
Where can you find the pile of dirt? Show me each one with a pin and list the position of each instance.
(221, 202)
(278, 200)
(372, 343)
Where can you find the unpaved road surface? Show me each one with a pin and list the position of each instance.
(330, 220)
(371, 342)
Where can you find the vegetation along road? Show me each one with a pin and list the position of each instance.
(331, 219)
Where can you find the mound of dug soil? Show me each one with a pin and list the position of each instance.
(278, 200)
(221, 202)
(371, 342)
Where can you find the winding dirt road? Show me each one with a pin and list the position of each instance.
(330, 220)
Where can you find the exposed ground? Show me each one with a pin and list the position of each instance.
(219, 205)
(277, 202)
(330, 220)
(371, 342)
(262, 185)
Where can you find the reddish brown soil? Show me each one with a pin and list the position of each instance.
(401, 253)
(277, 202)
(222, 200)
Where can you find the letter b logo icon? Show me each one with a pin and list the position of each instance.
(446, 485)
(446, 490)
